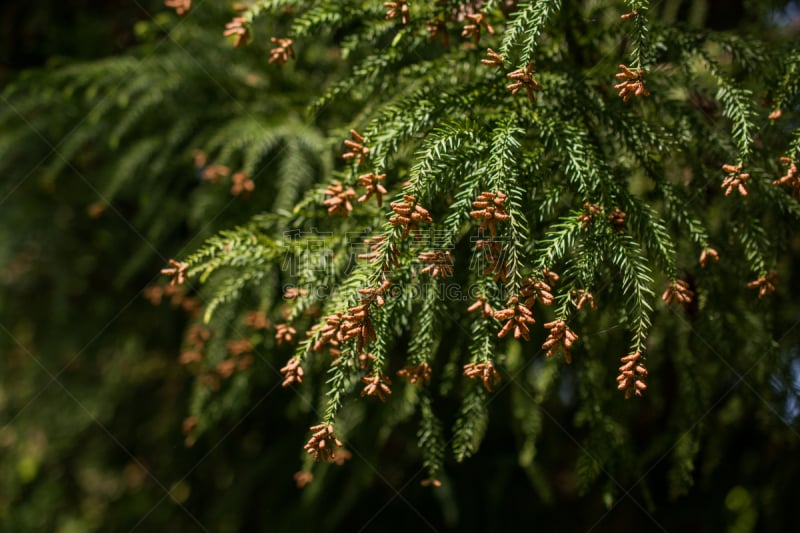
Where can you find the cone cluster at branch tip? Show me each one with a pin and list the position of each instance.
(493, 254)
(396, 9)
(190, 356)
(238, 28)
(341, 457)
(735, 179)
(473, 29)
(409, 214)
(282, 52)
(582, 298)
(372, 183)
(178, 272)
(678, 292)
(240, 359)
(284, 333)
(364, 360)
(239, 347)
(340, 199)
(489, 209)
(632, 83)
(209, 172)
(376, 385)
(517, 317)
(617, 218)
(322, 444)
(493, 59)
(257, 320)
(242, 184)
(590, 210)
(356, 323)
(374, 295)
(765, 284)
(632, 374)
(293, 293)
(416, 374)
(437, 27)
(177, 296)
(536, 290)
(524, 78)
(355, 148)
(439, 264)
(561, 336)
(181, 7)
(329, 334)
(188, 425)
(292, 372)
(708, 254)
(303, 478)
(791, 178)
(483, 371)
(197, 336)
(482, 305)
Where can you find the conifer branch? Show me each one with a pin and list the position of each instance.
(628, 256)
(526, 26)
(640, 52)
(431, 442)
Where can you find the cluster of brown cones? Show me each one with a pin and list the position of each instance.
(483, 371)
(397, 9)
(438, 264)
(632, 83)
(409, 214)
(792, 177)
(678, 292)
(340, 199)
(489, 209)
(765, 284)
(517, 317)
(561, 336)
(292, 372)
(322, 444)
(282, 52)
(372, 183)
(632, 374)
(735, 179)
(376, 385)
(356, 151)
(178, 272)
(524, 78)
(416, 374)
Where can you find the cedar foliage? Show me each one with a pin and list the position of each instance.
(515, 140)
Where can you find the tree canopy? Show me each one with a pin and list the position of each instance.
(456, 264)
